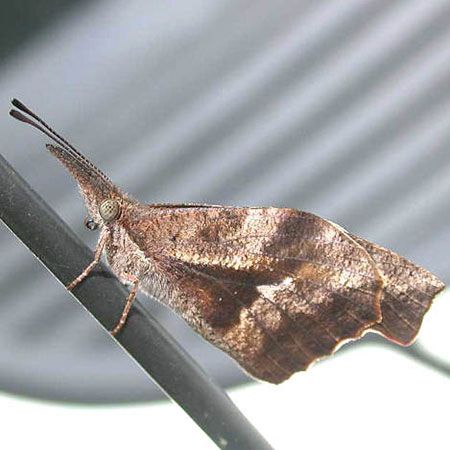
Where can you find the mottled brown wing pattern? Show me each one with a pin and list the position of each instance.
(278, 291)
(407, 296)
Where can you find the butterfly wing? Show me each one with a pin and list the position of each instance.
(274, 288)
(408, 293)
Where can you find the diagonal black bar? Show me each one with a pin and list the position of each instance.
(65, 255)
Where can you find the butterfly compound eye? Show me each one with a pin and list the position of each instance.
(109, 210)
(90, 224)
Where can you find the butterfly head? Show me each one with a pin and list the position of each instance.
(104, 201)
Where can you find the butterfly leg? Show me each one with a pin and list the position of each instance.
(97, 255)
(128, 304)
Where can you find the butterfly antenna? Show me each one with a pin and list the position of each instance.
(51, 133)
(45, 128)
(19, 116)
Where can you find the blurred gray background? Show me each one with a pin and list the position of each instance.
(341, 108)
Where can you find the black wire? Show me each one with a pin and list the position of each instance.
(65, 255)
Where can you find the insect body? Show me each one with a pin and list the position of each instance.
(275, 288)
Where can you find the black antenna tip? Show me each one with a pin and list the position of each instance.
(13, 113)
(19, 105)
(19, 116)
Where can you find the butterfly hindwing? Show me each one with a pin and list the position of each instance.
(407, 296)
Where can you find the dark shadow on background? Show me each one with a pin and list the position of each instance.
(21, 20)
(115, 397)
(80, 396)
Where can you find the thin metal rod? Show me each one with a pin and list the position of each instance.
(144, 339)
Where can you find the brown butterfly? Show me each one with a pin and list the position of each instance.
(275, 288)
